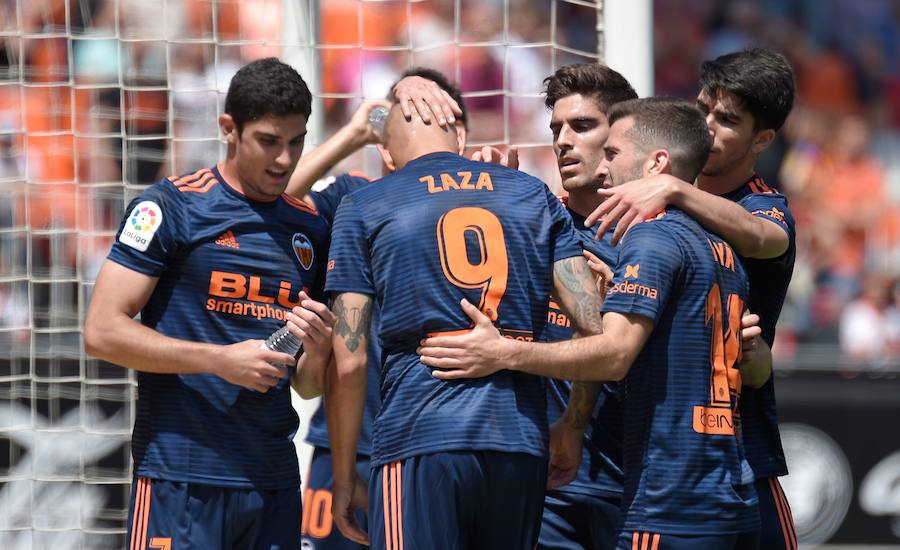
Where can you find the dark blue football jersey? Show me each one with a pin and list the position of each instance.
(685, 471)
(601, 463)
(229, 269)
(441, 229)
(769, 280)
(327, 201)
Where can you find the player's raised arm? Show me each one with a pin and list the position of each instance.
(348, 139)
(345, 396)
(111, 333)
(631, 203)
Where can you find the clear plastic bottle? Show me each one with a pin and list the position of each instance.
(284, 342)
(377, 117)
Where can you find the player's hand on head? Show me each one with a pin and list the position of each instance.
(347, 498)
(249, 365)
(312, 322)
(487, 153)
(428, 99)
(603, 275)
(359, 122)
(630, 204)
(475, 354)
(565, 454)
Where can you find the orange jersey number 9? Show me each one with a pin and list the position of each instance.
(491, 272)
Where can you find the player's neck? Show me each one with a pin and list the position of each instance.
(421, 150)
(583, 201)
(726, 182)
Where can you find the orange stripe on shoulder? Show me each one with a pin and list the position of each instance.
(188, 178)
(359, 175)
(206, 187)
(198, 182)
(299, 204)
(634, 541)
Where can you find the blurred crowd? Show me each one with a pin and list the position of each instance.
(94, 91)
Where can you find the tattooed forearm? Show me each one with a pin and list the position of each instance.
(352, 319)
(577, 292)
(581, 404)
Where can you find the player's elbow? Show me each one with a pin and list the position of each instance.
(349, 369)
(763, 244)
(96, 342)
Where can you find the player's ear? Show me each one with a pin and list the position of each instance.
(762, 140)
(460, 137)
(228, 128)
(386, 157)
(658, 162)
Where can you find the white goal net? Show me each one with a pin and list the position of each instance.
(99, 98)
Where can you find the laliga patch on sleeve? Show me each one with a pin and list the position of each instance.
(142, 223)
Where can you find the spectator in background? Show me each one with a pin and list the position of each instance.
(863, 324)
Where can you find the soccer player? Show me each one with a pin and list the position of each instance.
(458, 465)
(672, 330)
(318, 525)
(209, 259)
(584, 514)
(746, 97)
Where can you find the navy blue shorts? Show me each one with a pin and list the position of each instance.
(574, 521)
(318, 529)
(456, 501)
(645, 540)
(166, 515)
(777, 524)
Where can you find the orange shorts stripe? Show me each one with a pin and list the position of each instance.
(784, 512)
(386, 505)
(400, 503)
(394, 507)
(781, 515)
(645, 540)
(141, 514)
(634, 541)
(654, 545)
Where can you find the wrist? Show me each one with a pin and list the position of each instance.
(354, 137)
(212, 357)
(676, 191)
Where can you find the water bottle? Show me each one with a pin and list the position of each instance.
(377, 117)
(284, 342)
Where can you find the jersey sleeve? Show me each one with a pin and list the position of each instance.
(566, 243)
(772, 207)
(328, 199)
(155, 227)
(349, 265)
(648, 264)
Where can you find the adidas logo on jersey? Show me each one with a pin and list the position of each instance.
(227, 239)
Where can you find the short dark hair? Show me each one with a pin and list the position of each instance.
(438, 78)
(668, 123)
(604, 85)
(762, 79)
(266, 87)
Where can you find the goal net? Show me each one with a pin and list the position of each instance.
(99, 98)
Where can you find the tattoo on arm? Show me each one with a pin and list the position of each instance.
(581, 403)
(352, 322)
(577, 291)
